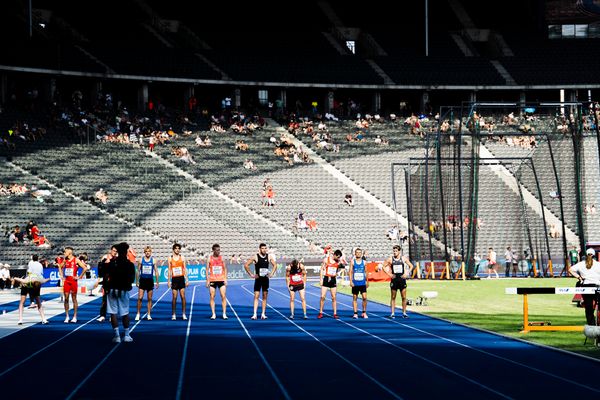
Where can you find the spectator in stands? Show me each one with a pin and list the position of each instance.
(554, 231)
(14, 236)
(348, 199)
(5, 277)
(248, 164)
(312, 224)
(270, 194)
(241, 145)
(102, 196)
(392, 233)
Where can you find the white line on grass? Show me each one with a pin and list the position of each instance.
(185, 347)
(260, 353)
(97, 367)
(381, 385)
(415, 355)
(550, 374)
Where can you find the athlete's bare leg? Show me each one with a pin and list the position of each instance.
(139, 300)
(333, 300)
(265, 295)
(75, 305)
(150, 302)
(322, 302)
(223, 292)
(212, 291)
(303, 298)
(256, 294)
(403, 294)
(292, 298)
(173, 301)
(393, 301)
(364, 304)
(182, 295)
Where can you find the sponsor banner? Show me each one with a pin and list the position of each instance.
(52, 274)
(197, 272)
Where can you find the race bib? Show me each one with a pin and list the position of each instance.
(218, 270)
(177, 271)
(296, 278)
(359, 276)
(331, 271)
(146, 269)
(263, 271)
(68, 271)
(398, 269)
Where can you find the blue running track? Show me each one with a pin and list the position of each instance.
(279, 358)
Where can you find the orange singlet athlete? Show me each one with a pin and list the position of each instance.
(178, 279)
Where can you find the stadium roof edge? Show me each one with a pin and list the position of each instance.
(287, 84)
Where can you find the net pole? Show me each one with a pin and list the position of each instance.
(577, 137)
(407, 186)
(537, 184)
(560, 199)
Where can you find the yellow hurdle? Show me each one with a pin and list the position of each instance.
(550, 270)
(431, 271)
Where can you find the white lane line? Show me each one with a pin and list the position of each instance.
(550, 374)
(97, 367)
(185, 347)
(260, 353)
(52, 344)
(356, 367)
(427, 360)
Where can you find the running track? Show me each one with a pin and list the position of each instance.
(279, 358)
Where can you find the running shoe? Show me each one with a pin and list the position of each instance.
(264, 317)
(67, 320)
(137, 317)
(225, 316)
(127, 339)
(392, 316)
(45, 321)
(404, 315)
(305, 316)
(335, 316)
(292, 316)
(184, 317)
(365, 316)
(253, 317)
(355, 316)
(101, 319)
(173, 317)
(20, 322)
(149, 318)
(73, 320)
(116, 339)
(213, 316)
(320, 316)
